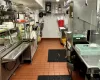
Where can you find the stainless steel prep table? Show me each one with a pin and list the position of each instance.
(90, 60)
(11, 57)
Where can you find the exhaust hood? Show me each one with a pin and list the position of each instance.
(34, 4)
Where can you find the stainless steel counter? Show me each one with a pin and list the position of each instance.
(6, 51)
(13, 55)
(2, 49)
(91, 61)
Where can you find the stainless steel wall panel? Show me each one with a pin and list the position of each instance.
(86, 13)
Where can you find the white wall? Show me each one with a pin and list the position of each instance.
(51, 29)
(36, 12)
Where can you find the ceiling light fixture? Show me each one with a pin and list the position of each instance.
(57, 0)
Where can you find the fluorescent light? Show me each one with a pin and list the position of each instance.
(57, 0)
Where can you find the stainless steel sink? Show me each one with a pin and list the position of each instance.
(84, 49)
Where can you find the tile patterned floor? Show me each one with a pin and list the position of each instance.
(40, 66)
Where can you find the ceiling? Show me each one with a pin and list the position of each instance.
(54, 0)
(28, 3)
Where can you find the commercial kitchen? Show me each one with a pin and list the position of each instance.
(49, 39)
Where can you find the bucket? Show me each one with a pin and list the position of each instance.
(61, 23)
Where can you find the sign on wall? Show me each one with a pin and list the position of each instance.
(48, 7)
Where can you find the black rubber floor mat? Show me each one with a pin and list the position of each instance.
(57, 55)
(62, 77)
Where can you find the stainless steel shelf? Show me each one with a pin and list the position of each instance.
(13, 55)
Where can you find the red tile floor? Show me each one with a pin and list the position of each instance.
(40, 65)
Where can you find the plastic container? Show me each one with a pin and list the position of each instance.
(21, 20)
(61, 23)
